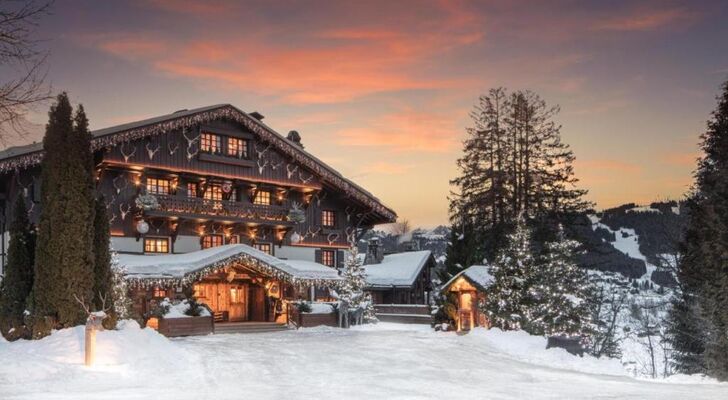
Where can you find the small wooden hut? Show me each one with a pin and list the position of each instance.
(470, 289)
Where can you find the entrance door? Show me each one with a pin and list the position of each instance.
(238, 302)
(257, 303)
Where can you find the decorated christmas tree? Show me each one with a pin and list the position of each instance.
(562, 292)
(352, 290)
(510, 302)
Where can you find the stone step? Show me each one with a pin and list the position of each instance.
(405, 318)
(249, 327)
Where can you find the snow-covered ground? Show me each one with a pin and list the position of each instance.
(387, 361)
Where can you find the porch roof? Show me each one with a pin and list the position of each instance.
(186, 268)
(478, 275)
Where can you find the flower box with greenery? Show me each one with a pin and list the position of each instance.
(184, 318)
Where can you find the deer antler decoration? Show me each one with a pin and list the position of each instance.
(126, 155)
(152, 152)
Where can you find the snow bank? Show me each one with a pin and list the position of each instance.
(321, 308)
(521, 346)
(59, 357)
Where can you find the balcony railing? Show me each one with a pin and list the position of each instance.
(174, 205)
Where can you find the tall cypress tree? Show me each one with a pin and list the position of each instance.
(18, 280)
(699, 318)
(64, 254)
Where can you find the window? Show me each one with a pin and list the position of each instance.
(213, 192)
(210, 143)
(191, 190)
(237, 148)
(328, 218)
(264, 247)
(157, 186)
(233, 239)
(211, 241)
(156, 245)
(159, 293)
(262, 197)
(328, 258)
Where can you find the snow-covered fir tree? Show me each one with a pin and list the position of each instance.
(119, 289)
(509, 303)
(352, 290)
(562, 292)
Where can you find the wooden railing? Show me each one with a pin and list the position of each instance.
(228, 209)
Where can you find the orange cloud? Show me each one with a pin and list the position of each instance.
(387, 168)
(647, 20)
(407, 131)
(300, 64)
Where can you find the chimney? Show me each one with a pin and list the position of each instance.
(375, 252)
(295, 137)
(257, 115)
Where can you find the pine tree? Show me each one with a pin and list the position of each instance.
(699, 317)
(64, 254)
(563, 292)
(510, 301)
(459, 254)
(513, 162)
(18, 280)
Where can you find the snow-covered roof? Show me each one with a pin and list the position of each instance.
(178, 266)
(476, 274)
(399, 269)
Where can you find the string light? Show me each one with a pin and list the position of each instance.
(228, 113)
(243, 260)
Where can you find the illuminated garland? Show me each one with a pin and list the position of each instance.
(230, 113)
(244, 260)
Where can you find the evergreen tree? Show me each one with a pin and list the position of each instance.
(510, 301)
(513, 162)
(64, 255)
(103, 275)
(18, 280)
(699, 317)
(563, 292)
(122, 304)
(458, 254)
(352, 290)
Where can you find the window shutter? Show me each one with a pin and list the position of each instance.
(317, 256)
(340, 259)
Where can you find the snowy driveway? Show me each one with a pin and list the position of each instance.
(380, 362)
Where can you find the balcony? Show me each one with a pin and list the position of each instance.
(193, 207)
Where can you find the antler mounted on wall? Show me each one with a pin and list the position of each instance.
(172, 149)
(126, 155)
(119, 187)
(304, 180)
(261, 166)
(290, 171)
(191, 144)
(152, 152)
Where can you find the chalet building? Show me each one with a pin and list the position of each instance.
(469, 287)
(214, 176)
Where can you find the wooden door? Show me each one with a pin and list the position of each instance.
(238, 302)
(257, 303)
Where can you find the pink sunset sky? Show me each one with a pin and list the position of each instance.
(381, 90)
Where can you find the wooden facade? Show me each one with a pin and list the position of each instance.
(206, 177)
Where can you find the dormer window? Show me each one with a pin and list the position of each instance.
(210, 143)
(263, 198)
(237, 148)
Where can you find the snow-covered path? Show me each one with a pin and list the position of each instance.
(386, 361)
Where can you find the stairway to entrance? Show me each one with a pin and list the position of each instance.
(249, 327)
